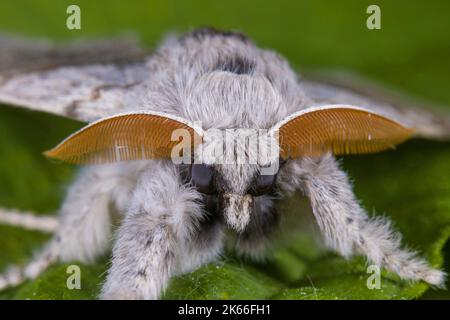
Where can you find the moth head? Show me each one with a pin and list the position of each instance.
(234, 187)
(230, 167)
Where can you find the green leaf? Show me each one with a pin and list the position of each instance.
(411, 185)
(52, 285)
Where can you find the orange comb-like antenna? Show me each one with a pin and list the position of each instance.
(131, 136)
(337, 129)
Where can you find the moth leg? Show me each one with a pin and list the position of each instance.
(84, 230)
(164, 233)
(347, 228)
(15, 275)
(28, 220)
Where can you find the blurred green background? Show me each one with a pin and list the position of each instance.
(410, 54)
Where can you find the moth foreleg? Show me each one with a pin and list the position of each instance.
(87, 213)
(158, 237)
(348, 229)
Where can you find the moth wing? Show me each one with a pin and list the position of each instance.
(428, 121)
(82, 80)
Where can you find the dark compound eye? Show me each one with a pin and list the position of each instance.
(202, 177)
(263, 184)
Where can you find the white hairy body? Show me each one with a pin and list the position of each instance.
(221, 80)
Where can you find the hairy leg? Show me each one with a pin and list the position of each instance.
(165, 232)
(86, 215)
(84, 228)
(346, 226)
(28, 220)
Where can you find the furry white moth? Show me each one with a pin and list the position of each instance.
(177, 217)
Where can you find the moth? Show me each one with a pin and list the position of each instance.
(175, 217)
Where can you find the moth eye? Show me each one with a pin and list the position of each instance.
(263, 184)
(202, 177)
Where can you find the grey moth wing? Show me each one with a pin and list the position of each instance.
(427, 120)
(83, 80)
